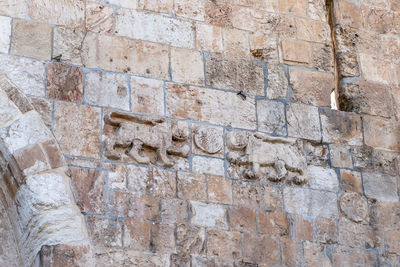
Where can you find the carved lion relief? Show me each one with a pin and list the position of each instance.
(258, 156)
(146, 140)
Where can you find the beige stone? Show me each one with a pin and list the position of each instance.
(61, 12)
(191, 187)
(5, 34)
(277, 82)
(294, 7)
(236, 43)
(67, 43)
(174, 211)
(272, 223)
(107, 90)
(377, 70)
(77, 129)
(192, 10)
(380, 187)
(340, 156)
(9, 112)
(351, 181)
(242, 219)
(205, 103)
(154, 28)
(290, 54)
(312, 31)
(31, 39)
(254, 249)
(187, 66)
(271, 117)
(219, 189)
(356, 235)
(208, 165)
(208, 215)
(157, 6)
(354, 206)
(147, 96)
(264, 47)
(323, 179)
(13, 8)
(125, 55)
(381, 133)
(224, 244)
(124, 3)
(209, 37)
(44, 107)
(208, 140)
(303, 121)
(99, 18)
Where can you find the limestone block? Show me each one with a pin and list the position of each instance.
(61, 12)
(145, 140)
(31, 160)
(132, 205)
(312, 31)
(174, 211)
(277, 82)
(31, 39)
(163, 238)
(271, 117)
(317, 154)
(340, 156)
(272, 223)
(246, 194)
(5, 34)
(380, 187)
(64, 82)
(386, 162)
(89, 189)
(303, 121)
(316, 10)
(157, 6)
(356, 235)
(224, 244)
(44, 107)
(138, 258)
(322, 57)
(362, 157)
(191, 187)
(218, 14)
(323, 179)
(233, 74)
(347, 13)
(242, 219)
(209, 37)
(107, 89)
(290, 54)
(120, 54)
(208, 140)
(294, 7)
(303, 228)
(104, 232)
(147, 96)
(123, 3)
(254, 249)
(354, 206)
(236, 43)
(351, 181)
(219, 189)
(154, 28)
(208, 215)
(190, 239)
(8, 111)
(208, 165)
(99, 18)
(377, 70)
(205, 103)
(313, 88)
(67, 43)
(382, 133)
(26, 131)
(343, 256)
(264, 47)
(77, 129)
(310, 202)
(13, 8)
(137, 234)
(187, 66)
(192, 10)
(261, 157)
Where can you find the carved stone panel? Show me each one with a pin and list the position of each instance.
(146, 140)
(257, 156)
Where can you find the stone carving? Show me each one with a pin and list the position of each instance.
(354, 206)
(259, 156)
(133, 134)
(208, 139)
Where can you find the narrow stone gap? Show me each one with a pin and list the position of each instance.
(330, 21)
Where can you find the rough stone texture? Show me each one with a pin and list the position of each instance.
(109, 90)
(271, 117)
(147, 96)
(382, 133)
(64, 83)
(13, 8)
(208, 140)
(77, 129)
(204, 103)
(277, 82)
(5, 34)
(303, 121)
(31, 39)
(67, 43)
(340, 156)
(323, 179)
(208, 215)
(290, 53)
(66, 12)
(380, 187)
(354, 206)
(187, 66)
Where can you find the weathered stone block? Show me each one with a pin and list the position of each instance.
(246, 194)
(5, 34)
(310, 87)
(125, 55)
(139, 206)
(347, 13)
(339, 127)
(209, 37)
(147, 96)
(303, 228)
(219, 189)
(309, 202)
(77, 129)
(291, 55)
(125, 3)
(44, 107)
(105, 232)
(294, 7)
(31, 39)
(208, 165)
(66, 12)
(218, 14)
(208, 140)
(242, 219)
(236, 43)
(340, 156)
(380, 187)
(89, 189)
(174, 211)
(106, 89)
(99, 18)
(317, 154)
(13, 8)
(67, 43)
(326, 230)
(362, 157)
(254, 249)
(323, 179)
(205, 103)
(31, 160)
(192, 10)
(64, 82)
(354, 206)
(377, 70)
(155, 5)
(137, 234)
(264, 47)
(9, 112)
(277, 82)
(382, 133)
(191, 187)
(154, 28)
(303, 121)
(343, 256)
(233, 74)
(356, 235)
(190, 239)
(271, 117)
(187, 66)
(208, 215)
(351, 181)
(272, 223)
(312, 31)
(224, 244)
(163, 238)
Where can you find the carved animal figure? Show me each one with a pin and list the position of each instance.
(134, 132)
(278, 157)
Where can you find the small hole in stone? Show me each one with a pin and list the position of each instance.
(334, 100)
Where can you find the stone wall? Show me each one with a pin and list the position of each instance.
(200, 132)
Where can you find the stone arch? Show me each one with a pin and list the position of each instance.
(36, 202)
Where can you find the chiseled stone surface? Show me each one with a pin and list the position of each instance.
(147, 95)
(208, 215)
(5, 34)
(380, 187)
(65, 12)
(303, 121)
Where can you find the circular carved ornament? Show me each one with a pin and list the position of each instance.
(208, 139)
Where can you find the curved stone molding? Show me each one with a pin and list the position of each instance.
(34, 186)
